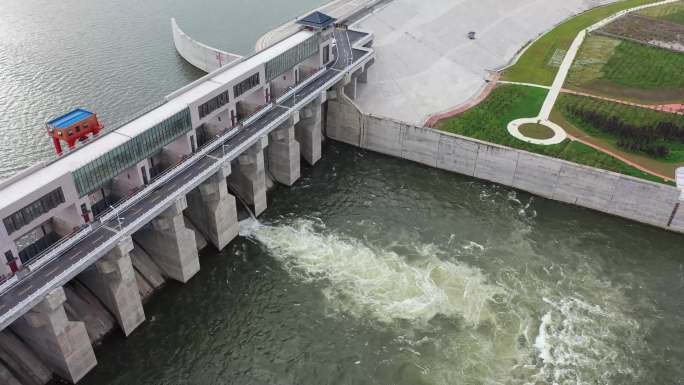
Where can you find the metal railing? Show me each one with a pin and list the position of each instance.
(293, 90)
(71, 240)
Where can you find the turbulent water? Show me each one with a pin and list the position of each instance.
(372, 270)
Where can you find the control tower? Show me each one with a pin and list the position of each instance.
(72, 127)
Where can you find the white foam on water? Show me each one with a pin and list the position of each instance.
(577, 340)
(367, 281)
(579, 343)
(541, 343)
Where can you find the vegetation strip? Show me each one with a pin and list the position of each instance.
(488, 122)
(533, 65)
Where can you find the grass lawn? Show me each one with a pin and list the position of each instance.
(536, 131)
(488, 122)
(534, 67)
(628, 71)
(638, 66)
(671, 12)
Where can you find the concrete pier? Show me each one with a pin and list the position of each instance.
(170, 244)
(249, 176)
(350, 88)
(283, 154)
(62, 344)
(212, 210)
(308, 131)
(112, 279)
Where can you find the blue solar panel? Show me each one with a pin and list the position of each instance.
(71, 118)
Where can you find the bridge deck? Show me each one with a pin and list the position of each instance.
(105, 234)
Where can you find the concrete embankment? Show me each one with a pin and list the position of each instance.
(632, 198)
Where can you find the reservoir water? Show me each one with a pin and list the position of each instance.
(115, 58)
(370, 270)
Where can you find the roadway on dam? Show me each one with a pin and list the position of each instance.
(63, 267)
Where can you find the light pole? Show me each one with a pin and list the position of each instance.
(294, 95)
(119, 220)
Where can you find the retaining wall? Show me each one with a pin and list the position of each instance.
(632, 198)
(200, 55)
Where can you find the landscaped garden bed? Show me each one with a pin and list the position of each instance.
(627, 70)
(488, 121)
(647, 30)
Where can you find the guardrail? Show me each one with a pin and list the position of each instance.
(71, 240)
(6, 283)
(302, 84)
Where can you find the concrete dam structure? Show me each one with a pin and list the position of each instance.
(90, 235)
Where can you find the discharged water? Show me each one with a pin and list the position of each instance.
(372, 270)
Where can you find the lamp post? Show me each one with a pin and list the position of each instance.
(119, 220)
(294, 95)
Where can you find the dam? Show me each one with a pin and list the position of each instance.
(248, 117)
(362, 267)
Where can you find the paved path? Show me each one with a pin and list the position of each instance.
(525, 84)
(559, 134)
(562, 74)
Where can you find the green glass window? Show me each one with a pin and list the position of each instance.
(290, 58)
(96, 173)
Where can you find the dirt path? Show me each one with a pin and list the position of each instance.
(621, 158)
(669, 108)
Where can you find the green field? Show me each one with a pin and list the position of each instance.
(536, 131)
(534, 66)
(626, 70)
(639, 66)
(671, 12)
(657, 135)
(488, 122)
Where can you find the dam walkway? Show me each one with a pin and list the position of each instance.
(72, 256)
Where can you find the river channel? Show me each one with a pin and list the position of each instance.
(373, 270)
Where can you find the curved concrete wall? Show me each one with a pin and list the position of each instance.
(200, 55)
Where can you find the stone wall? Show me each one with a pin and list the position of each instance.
(632, 198)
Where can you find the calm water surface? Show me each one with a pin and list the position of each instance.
(115, 57)
(370, 270)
